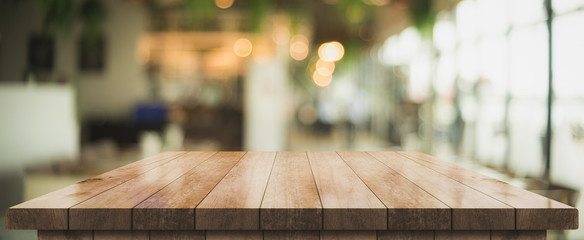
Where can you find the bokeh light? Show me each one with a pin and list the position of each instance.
(320, 80)
(242, 47)
(331, 51)
(281, 35)
(299, 47)
(325, 68)
(308, 114)
(223, 3)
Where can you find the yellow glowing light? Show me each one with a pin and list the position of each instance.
(325, 68)
(299, 47)
(320, 80)
(331, 51)
(242, 47)
(281, 35)
(223, 3)
(143, 47)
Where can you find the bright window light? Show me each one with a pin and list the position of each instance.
(569, 55)
(529, 54)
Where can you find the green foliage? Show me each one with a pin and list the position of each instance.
(295, 18)
(258, 9)
(354, 13)
(59, 14)
(197, 10)
(92, 13)
(423, 16)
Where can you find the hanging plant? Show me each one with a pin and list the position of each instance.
(58, 14)
(92, 14)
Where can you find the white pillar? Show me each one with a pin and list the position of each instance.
(266, 104)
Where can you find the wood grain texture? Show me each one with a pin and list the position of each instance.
(235, 202)
(409, 206)
(49, 212)
(462, 235)
(177, 235)
(64, 235)
(292, 191)
(547, 213)
(518, 235)
(405, 235)
(471, 210)
(163, 218)
(172, 208)
(112, 210)
(347, 202)
(120, 235)
(542, 219)
(291, 235)
(234, 235)
(36, 218)
(348, 235)
(291, 200)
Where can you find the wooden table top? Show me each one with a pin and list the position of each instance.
(291, 191)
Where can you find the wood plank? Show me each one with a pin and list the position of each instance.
(471, 210)
(112, 210)
(409, 206)
(347, 202)
(518, 235)
(405, 235)
(533, 211)
(462, 235)
(234, 203)
(64, 235)
(291, 200)
(173, 207)
(348, 235)
(49, 212)
(177, 235)
(120, 235)
(291, 235)
(234, 235)
(544, 219)
(25, 217)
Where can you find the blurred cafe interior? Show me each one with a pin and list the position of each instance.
(87, 86)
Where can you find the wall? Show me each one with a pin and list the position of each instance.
(110, 93)
(123, 83)
(17, 21)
